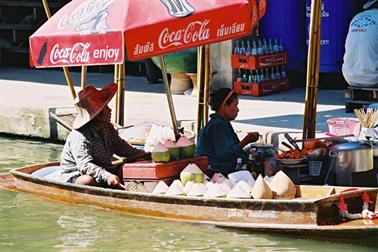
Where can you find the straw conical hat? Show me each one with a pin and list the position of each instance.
(90, 102)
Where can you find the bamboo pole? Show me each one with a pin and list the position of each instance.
(119, 78)
(83, 79)
(312, 78)
(169, 97)
(206, 88)
(200, 87)
(65, 69)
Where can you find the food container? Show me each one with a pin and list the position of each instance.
(349, 158)
(341, 126)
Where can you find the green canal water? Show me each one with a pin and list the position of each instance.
(31, 223)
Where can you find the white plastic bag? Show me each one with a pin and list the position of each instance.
(158, 134)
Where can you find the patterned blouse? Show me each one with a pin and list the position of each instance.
(86, 152)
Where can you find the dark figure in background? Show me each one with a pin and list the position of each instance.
(360, 67)
(87, 154)
(218, 140)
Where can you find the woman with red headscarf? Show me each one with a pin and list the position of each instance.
(218, 140)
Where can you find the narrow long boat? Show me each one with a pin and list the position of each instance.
(312, 213)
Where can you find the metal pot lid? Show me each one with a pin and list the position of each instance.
(350, 146)
(261, 145)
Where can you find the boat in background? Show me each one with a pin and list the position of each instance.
(314, 211)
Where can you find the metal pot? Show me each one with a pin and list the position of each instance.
(350, 157)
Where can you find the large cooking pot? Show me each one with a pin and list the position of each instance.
(348, 158)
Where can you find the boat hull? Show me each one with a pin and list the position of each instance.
(316, 217)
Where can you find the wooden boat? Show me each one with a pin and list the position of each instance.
(311, 213)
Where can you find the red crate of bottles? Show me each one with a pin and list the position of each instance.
(260, 89)
(260, 61)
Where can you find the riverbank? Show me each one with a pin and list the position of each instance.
(28, 95)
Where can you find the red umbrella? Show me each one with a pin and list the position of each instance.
(98, 32)
(94, 32)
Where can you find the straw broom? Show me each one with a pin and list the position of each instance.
(367, 118)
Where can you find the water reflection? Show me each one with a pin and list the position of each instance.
(17, 153)
(31, 223)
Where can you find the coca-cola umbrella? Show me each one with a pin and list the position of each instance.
(99, 32)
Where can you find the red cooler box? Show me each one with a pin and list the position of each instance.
(150, 171)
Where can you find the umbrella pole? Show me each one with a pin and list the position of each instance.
(65, 69)
(206, 88)
(83, 79)
(119, 78)
(169, 97)
(312, 79)
(200, 87)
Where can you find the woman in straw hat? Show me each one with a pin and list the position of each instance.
(218, 140)
(86, 156)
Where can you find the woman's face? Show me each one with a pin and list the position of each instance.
(231, 110)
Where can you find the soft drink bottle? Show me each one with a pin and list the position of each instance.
(254, 48)
(242, 48)
(276, 47)
(283, 72)
(237, 48)
(281, 45)
(270, 47)
(260, 49)
(239, 164)
(248, 49)
(272, 74)
(278, 75)
(265, 46)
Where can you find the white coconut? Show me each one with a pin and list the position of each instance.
(261, 189)
(160, 188)
(235, 177)
(175, 189)
(268, 179)
(215, 191)
(188, 186)
(245, 186)
(197, 190)
(209, 184)
(225, 187)
(228, 183)
(251, 182)
(239, 192)
(282, 186)
(192, 173)
(178, 182)
(218, 178)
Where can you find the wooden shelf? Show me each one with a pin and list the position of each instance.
(23, 3)
(15, 49)
(18, 27)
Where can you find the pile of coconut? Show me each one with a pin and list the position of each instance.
(170, 150)
(193, 182)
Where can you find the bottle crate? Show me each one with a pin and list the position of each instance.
(259, 61)
(262, 88)
(359, 97)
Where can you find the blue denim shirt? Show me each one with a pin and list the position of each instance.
(219, 142)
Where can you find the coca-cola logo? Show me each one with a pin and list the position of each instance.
(88, 18)
(78, 53)
(178, 8)
(195, 31)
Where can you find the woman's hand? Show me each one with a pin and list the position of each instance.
(251, 137)
(114, 182)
